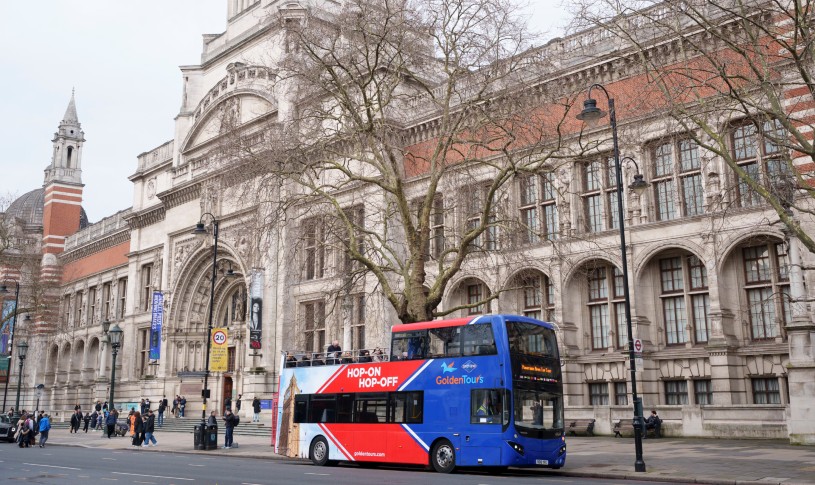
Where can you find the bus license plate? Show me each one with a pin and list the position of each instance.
(541, 462)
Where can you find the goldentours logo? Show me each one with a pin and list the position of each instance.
(458, 380)
(445, 368)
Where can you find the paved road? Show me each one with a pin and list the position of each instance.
(62, 465)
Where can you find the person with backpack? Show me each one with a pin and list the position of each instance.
(149, 429)
(45, 427)
(230, 421)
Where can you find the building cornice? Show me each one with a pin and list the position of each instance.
(177, 196)
(147, 217)
(99, 245)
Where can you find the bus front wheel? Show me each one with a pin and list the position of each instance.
(443, 457)
(319, 451)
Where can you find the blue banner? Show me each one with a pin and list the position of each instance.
(155, 325)
(7, 329)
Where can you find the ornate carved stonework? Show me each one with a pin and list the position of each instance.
(181, 253)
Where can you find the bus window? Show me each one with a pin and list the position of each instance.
(444, 343)
(345, 408)
(538, 410)
(405, 407)
(409, 345)
(487, 406)
(323, 408)
(478, 340)
(526, 338)
(371, 408)
(300, 408)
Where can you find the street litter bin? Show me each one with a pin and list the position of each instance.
(212, 437)
(198, 439)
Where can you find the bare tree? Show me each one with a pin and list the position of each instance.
(405, 122)
(737, 77)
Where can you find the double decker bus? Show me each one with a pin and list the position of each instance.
(483, 391)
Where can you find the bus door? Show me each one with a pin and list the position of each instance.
(488, 414)
(370, 438)
(405, 408)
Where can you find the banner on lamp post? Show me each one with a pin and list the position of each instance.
(256, 311)
(218, 352)
(155, 325)
(7, 329)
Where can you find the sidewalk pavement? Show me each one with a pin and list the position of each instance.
(678, 460)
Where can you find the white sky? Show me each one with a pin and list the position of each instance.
(122, 57)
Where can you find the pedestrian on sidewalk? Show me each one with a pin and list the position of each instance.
(149, 429)
(136, 429)
(23, 431)
(110, 422)
(238, 405)
(182, 403)
(45, 427)
(98, 406)
(76, 419)
(256, 410)
(228, 403)
(94, 419)
(162, 406)
(213, 420)
(229, 427)
(87, 420)
(174, 410)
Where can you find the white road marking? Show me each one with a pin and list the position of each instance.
(136, 481)
(106, 458)
(319, 474)
(193, 464)
(112, 479)
(83, 476)
(152, 476)
(53, 466)
(246, 483)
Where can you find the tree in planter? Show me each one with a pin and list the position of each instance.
(400, 114)
(734, 76)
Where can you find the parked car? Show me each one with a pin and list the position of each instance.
(7, 430)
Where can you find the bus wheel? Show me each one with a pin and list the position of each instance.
(319, 451)
(443, 457)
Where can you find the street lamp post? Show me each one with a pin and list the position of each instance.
(201, 231)
(592, 112)
(115, 336)
(22, 350)
(39, 388)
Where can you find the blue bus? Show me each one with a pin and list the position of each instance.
(483, 391)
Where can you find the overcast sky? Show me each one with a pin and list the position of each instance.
(122, 58)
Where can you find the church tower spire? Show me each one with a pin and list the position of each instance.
(66, 159)
(63, 183)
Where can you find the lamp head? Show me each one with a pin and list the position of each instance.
(639, 184)
(200, 230)
(115, 335)
(22, 349)
(590, 111)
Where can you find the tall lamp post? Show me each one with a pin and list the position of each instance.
(590, 113)
(13, 324)
(200, 230)
(22, 350)
(115, 336)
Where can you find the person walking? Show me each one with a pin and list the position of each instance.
(87, 420)
(162, 406)
(174, 410)
(256, 410)
(228, 403)
(23, 432)
(136, 429)
(238, 404)
(94, 419)
(45, 427)
(182, 403)
(229, 427)
(149, 429)
(76, 419)
(110, 422)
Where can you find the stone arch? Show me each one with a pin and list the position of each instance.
(580, 333)
(458, 294)
(526, 291)
(77, 358)
(63, 368)
(576, 267)
(51, 361)
(651, 250)
(92, 356)
(737, 239)
(228, 108)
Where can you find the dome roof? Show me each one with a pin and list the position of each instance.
(29, 207)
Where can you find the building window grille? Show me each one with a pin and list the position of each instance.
(598, 393)
(766, 275)
(703, 391)
(538, 208)
(758, 148)
(676, 392)
(620, 393)
(766, 390)
(314, 325)
(606, 308)
(683, 284)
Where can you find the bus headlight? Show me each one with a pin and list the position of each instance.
(517, 447)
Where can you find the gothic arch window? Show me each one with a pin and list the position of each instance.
(70, 154)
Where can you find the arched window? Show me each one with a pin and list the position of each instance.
(606, 306)
(233, 309)
(68, 159)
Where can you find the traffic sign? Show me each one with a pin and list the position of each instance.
(637, 345)
(218, 354)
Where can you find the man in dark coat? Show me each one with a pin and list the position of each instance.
(149, 429)
(229, 426)
(256, 410)
(76, 419)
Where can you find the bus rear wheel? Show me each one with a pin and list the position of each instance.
(319, 451)
(443, 457)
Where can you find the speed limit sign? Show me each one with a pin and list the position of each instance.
(219, 337)
(637, 345)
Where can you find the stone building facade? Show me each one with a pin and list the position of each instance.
(718, 290)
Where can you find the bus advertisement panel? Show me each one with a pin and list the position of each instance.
(455, 393)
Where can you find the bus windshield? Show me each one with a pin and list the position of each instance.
(529, 339)
(538, 413)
